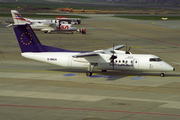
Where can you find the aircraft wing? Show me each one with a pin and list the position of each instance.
(96, 53)
(89, 54)
(110, 50)
(48, 29)
(49, 24)
(46, 24)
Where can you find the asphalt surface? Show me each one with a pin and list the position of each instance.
(34, 90)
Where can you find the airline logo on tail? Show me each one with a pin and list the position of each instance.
(17, 17)
(23, 36)
(29, 42)
(27, 39)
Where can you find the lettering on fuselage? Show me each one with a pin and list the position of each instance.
(127, 62)
(39, 26)
(64, 27)
(129, 57)
(51, 59)
(127, 65)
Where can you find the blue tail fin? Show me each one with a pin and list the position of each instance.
(27, 39)
(29, 42)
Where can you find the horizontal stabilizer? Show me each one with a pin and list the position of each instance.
(9, 25)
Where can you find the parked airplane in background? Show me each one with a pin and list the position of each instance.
(46, 26)
(69, 20)
(109, 59)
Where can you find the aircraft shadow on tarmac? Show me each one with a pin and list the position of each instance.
(110, 75)
(115, 75)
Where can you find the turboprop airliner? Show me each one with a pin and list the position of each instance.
(46, 26)
(108, 59)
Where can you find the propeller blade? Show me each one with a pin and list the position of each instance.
(113, 57)
(126, 47)
(129, 49)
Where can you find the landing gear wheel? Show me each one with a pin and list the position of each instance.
(103, 70)
(162, 74)
(89, 73)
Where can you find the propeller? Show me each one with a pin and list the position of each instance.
(113, 57)
(127, 51)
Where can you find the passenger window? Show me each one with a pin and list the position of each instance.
(135, 61)
(119, 61)
(123, 61)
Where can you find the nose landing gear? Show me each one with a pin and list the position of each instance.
(90, 69)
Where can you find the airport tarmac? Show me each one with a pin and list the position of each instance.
(34, 90)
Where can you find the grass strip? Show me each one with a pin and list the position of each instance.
(150, 17)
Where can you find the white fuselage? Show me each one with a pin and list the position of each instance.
(44, 26)
(59, 20)
(132, 62)
(49, 25)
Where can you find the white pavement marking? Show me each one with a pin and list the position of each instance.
(171, 105)
(59, 96)
(77, 97)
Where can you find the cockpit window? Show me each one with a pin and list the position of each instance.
(71, 25)
(155, 59)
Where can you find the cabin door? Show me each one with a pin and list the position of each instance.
(70, 61)
(136, 63)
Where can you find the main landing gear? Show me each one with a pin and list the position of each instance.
(162, 74)
(90, 69)
(88, 73)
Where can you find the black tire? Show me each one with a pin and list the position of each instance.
(162, 74)
(104, 70)
(88, 73)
